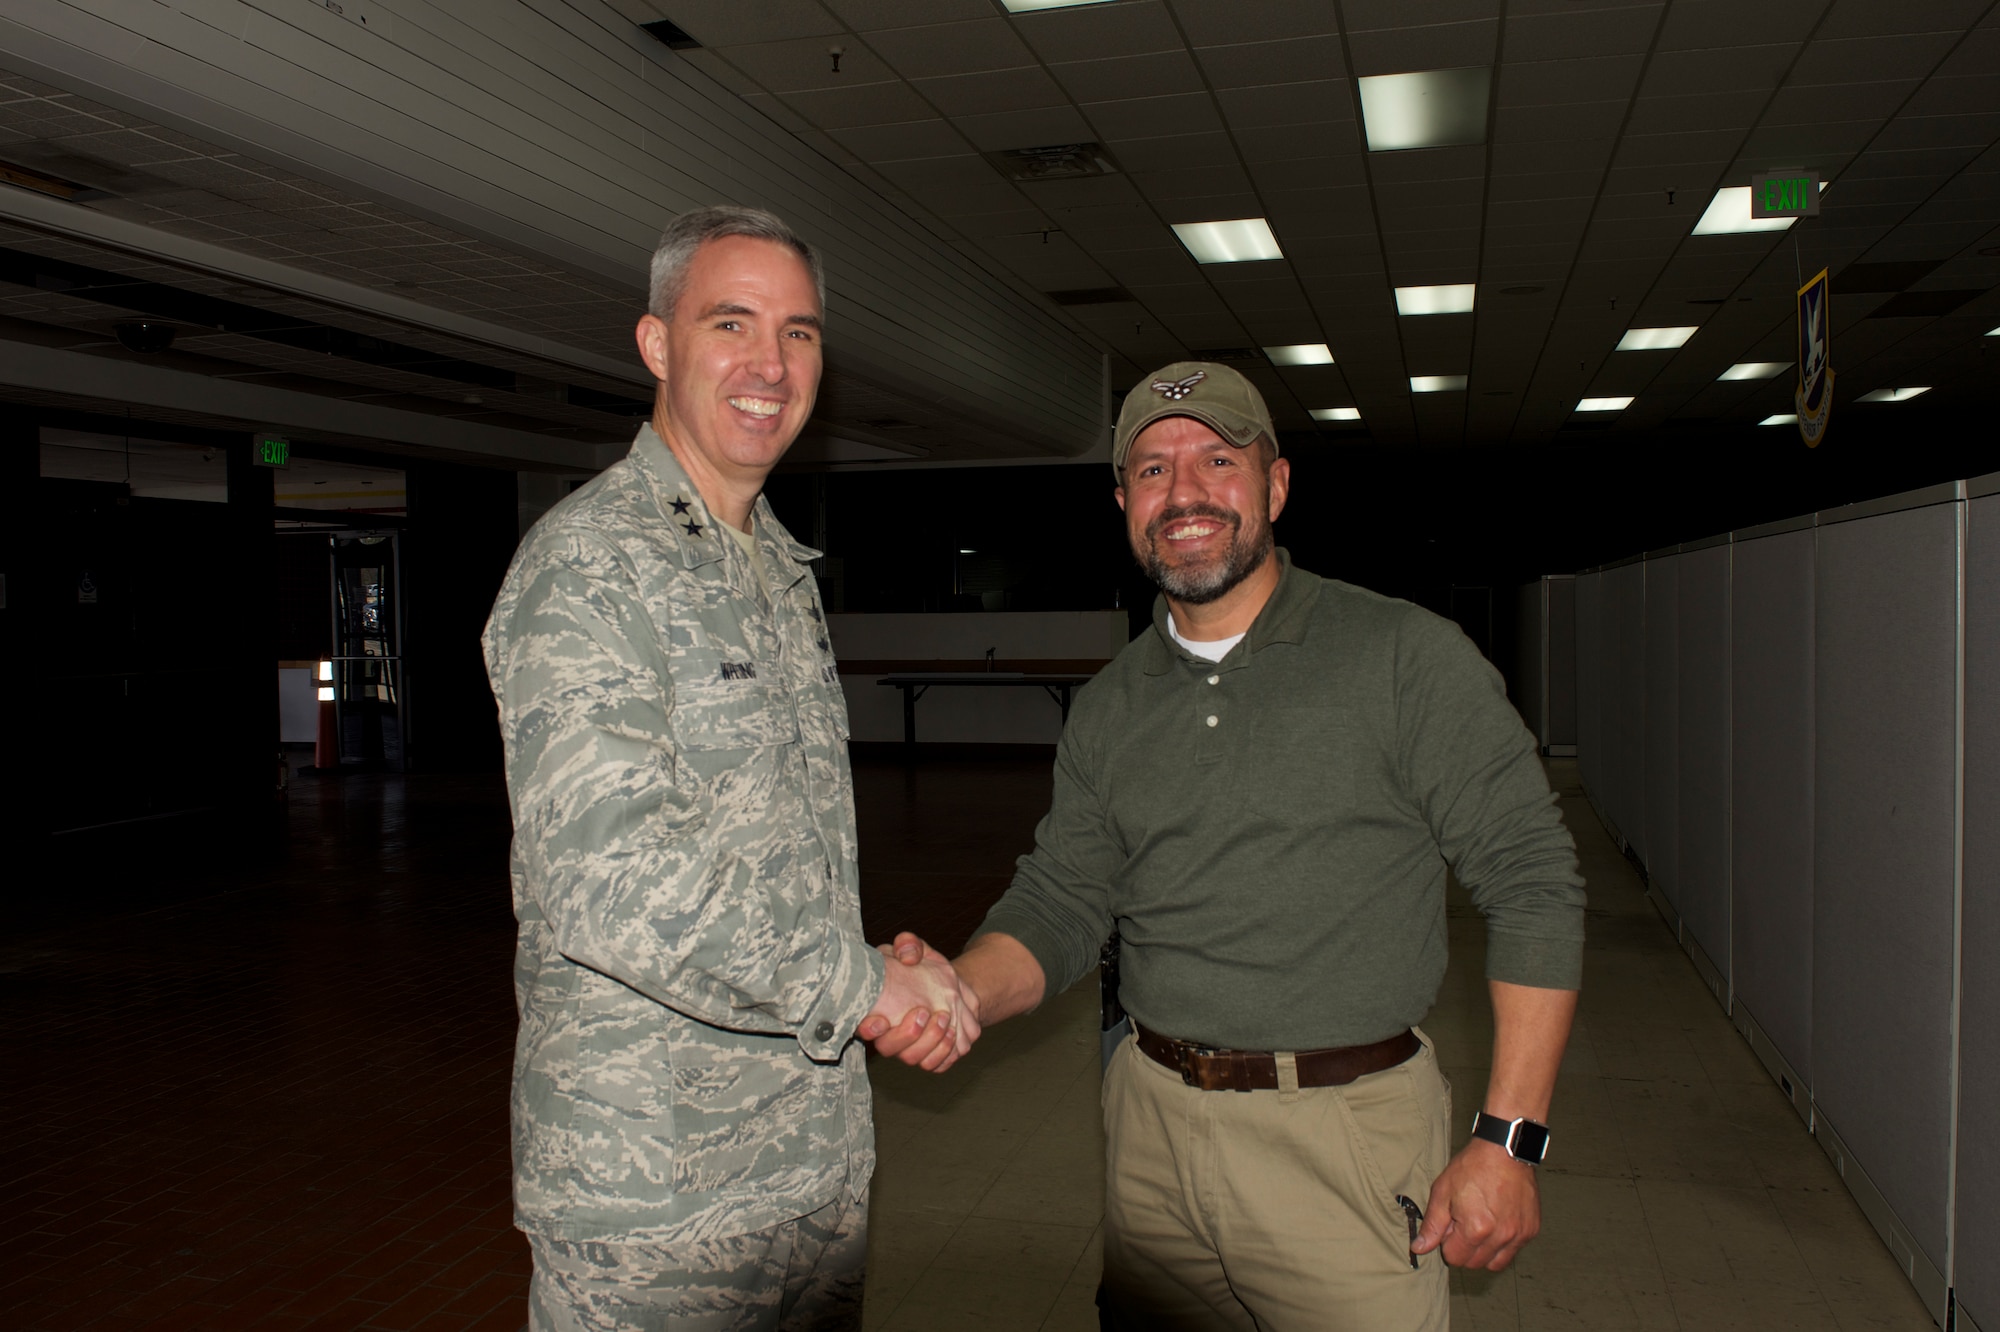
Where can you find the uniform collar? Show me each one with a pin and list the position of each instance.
(696, 531)
(1283, 619)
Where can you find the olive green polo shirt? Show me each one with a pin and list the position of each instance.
(1269, 833)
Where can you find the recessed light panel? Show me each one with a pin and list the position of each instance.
(1729, 212)
(1755, 370)
(1993, 332)
(1656, 339)
(1302, 353)
(1604, 404)
(1436, 383)
(1433, 109)
(1456, 299)
(1237, 242)
(1336, 413)
(1781, 418)
(1894, 394)
(1030, 6)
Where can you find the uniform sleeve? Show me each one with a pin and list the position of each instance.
(1470, 764)
(612, 829)
(1059, 905)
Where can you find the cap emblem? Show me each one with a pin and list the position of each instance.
(1175, 389)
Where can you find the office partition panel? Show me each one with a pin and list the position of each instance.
(1771, 790)
(1976, 1246)
(1623, 710)
(1527, 677)
(1660, 771)
(1701, 869)
(1885, 858)
(1590, 686)
(1560, 721)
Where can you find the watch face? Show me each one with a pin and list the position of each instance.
(1531, 1141)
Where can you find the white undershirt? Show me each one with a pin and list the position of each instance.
(1214, 649)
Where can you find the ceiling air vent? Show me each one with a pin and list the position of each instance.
(42, 182)
(1059, 161)
(672, 34)
(1090, 296)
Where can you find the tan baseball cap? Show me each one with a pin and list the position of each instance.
(1212, 394)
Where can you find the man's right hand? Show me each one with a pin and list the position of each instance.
(940, 1016)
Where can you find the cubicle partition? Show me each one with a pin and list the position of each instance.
(1544, 662)
(1795, 730)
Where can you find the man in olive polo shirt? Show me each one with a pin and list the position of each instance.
(1262, 796)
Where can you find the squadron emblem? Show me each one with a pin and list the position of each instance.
(1176, 389)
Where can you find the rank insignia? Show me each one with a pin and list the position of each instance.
(1175, 389)
(692, 528)
(680, 506)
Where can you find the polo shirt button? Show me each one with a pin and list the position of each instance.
(823, 1032)
(1215, 679)
(1214, 720)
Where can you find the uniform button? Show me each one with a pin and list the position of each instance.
(823, 1032)
(1214, 720)
(1215, 679)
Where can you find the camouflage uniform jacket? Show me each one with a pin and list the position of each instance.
(690, 967)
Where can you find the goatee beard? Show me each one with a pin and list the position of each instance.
(1203, 583)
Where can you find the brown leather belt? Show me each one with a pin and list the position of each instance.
(1208, 1069)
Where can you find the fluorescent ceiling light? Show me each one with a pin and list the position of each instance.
(1656, 339)
(1336, 413)
(1030, 6)
(1300, 353)
(1993, 332)
(1894, 394)
(1456, 299)
(1436, 383)
(325, 694)
(1729, 212)
(1604, 404)
(1235, 242)
(1781, 418)
(1754, 370)
(1433, 109)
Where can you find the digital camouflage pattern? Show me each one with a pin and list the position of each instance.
(690, 966)
(802, 1276)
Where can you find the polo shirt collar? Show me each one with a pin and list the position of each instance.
(1283, 619)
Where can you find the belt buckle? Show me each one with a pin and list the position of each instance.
(1185, 1053)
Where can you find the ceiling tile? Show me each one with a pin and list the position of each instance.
(1965, 95)
(1836, 101)
(1036, 127)
(926, 176)
(1562, 82)
(866, 104)
(1223, 22)
(867, 15)
(1288, 103)
(951, 48)
(794, 66)
(1707, 111)
(1867, 20)
(1973, 131)
(914, 138)
(1080, 192)
(1151, 117)
(1706, 148)
(1551, 125)
(1575, 184)
(1433, 46)
(997, 197)
(1156, 75)
(1569, 33)
(1260, 64)
(1095, 32)
(1428, 166)
(1004, 222)
(732, 23)
(1979, 53)
(997, 90)
(1727, 69)
(1697, 25)
(1177, 151)
(1863, 60)
(1528, 155)
(1221, 191)
(1306, 172)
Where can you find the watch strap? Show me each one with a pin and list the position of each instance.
(1523, 1139)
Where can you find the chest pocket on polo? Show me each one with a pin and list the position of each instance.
(729, 705)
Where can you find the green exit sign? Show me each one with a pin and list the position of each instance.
(274, 451)
(1784, 194)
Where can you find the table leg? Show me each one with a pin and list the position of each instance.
(909, 693)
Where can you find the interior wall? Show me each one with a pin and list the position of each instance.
(463, 529)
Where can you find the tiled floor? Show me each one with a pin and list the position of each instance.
(278, 1101)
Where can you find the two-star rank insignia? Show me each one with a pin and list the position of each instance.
(1176, 389)
(692, 528)
(680, 505)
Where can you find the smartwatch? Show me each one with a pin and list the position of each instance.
(1522, 1139)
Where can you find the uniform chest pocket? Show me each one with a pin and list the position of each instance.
(1307, 759)
(733, 709)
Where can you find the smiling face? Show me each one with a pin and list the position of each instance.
(1198, 511)
(738, 365)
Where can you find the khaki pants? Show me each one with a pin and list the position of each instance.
(802, 1276)
(1271, 1210)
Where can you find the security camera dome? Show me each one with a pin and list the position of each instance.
(145, 338)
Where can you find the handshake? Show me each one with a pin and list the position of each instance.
(939, 1008)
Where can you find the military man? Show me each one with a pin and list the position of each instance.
(1261, 796)
(692, 1134)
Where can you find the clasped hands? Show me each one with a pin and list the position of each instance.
(939, 1012)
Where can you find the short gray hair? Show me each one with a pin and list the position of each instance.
(687, 233)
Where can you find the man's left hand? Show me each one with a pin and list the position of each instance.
(1484, 1206)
